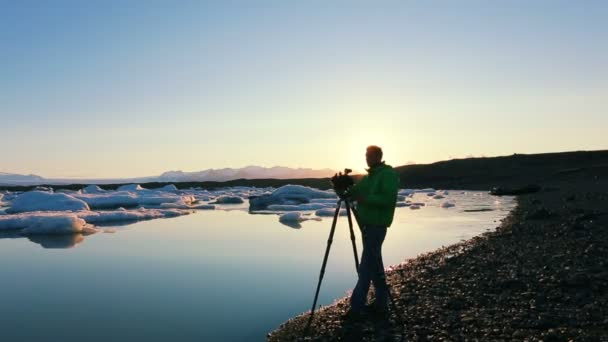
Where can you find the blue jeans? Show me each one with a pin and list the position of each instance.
(371, 269)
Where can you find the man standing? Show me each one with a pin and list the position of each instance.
(376, 197)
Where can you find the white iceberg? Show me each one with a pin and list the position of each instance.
(130, 187)
(289, 194)
(43, 223)
(123, 215)
(92, 189)
(45, 201)
(168, 188)
(328, 212)
(292, 217)
(115, 199)
(298, 207)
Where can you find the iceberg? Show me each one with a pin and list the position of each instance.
(288, 194)
(92, 189)
(43, 223)
(329, 212)
(130, 187)
(292, 217)
(45, 201)
(298, 207)
(228, 200)
(168, 188)
(123, 215)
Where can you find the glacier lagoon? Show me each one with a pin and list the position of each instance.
(221, 274)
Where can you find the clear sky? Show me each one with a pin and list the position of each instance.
(135, 88)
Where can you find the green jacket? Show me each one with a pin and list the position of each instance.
(379, 191)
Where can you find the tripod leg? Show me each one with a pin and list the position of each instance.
(352, 235)
(329, 241)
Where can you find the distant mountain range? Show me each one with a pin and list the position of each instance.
(212, 175)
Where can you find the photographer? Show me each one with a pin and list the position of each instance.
(376, 197)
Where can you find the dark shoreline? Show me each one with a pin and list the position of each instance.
(542, 275)
(514, 171)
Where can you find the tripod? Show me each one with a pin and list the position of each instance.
(347, 204)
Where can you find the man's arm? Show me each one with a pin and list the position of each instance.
(389, 186)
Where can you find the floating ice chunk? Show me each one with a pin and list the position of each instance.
(425, 190)
(288, 194)
(203, 207)
(228, 200)
(324, 200)
(43, 223)
(431, 194)
(110, 199)
(447, 205)
(402, 204)
(299, 190)
(130, 187)
(419, 204)
(438, 196)
(414, 206)
(290, 207)
(168, 188)
(115, 199)
(326, 212)
(184, 206)
(406, 192)
(45, 201)
(92, 189)
(400, 198)
(101, 217)
(295, 216)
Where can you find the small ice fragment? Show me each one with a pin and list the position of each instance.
(447, 205)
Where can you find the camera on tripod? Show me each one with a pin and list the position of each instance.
(342, 182)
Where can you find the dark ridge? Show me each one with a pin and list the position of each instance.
(517, 170)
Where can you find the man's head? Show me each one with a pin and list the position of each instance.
(373, 155)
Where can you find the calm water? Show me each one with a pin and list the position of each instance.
(213, 275)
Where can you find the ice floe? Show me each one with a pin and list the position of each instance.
(297, 207)
(77, 212)
(43, 223)
(130, 187)
(288, 194)
(229, 200)
(328, 212)
(45, 201)
(121, 215)
(92, 189)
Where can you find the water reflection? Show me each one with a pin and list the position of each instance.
(295, 225)
(46, 241)
(57, 241)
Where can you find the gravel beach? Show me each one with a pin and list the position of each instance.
(541, 275)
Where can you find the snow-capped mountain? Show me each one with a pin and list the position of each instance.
(215, 175)
(11, 178)
(249, 172)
